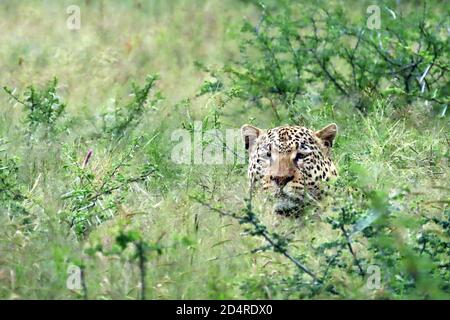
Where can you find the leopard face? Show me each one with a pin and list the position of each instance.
(292, 163)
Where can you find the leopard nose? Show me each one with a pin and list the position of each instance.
(281, 181)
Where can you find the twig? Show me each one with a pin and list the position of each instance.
(350, 248)
(140, 249)
(322, 63)
(83, 282)
(267, 237)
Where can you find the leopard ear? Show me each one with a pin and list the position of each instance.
(327, 134)
(250, 134)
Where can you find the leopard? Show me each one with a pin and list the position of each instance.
(292, 163)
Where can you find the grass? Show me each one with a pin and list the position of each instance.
(389, 151)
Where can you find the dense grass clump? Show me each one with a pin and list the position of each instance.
(93, 205)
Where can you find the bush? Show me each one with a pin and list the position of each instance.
(12, 193)
(43, 107)
(297, 50)
(126, 118)
(93, 199)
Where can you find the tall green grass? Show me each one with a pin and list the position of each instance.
(389, 159)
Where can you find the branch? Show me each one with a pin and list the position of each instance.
(266, 236)
(350, 248)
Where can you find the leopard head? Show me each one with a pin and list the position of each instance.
(293, 163)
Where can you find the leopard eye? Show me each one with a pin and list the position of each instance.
(301, 155)
(269, 152)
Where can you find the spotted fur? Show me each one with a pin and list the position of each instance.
(292, 162)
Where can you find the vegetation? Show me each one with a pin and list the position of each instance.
(88, 182)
